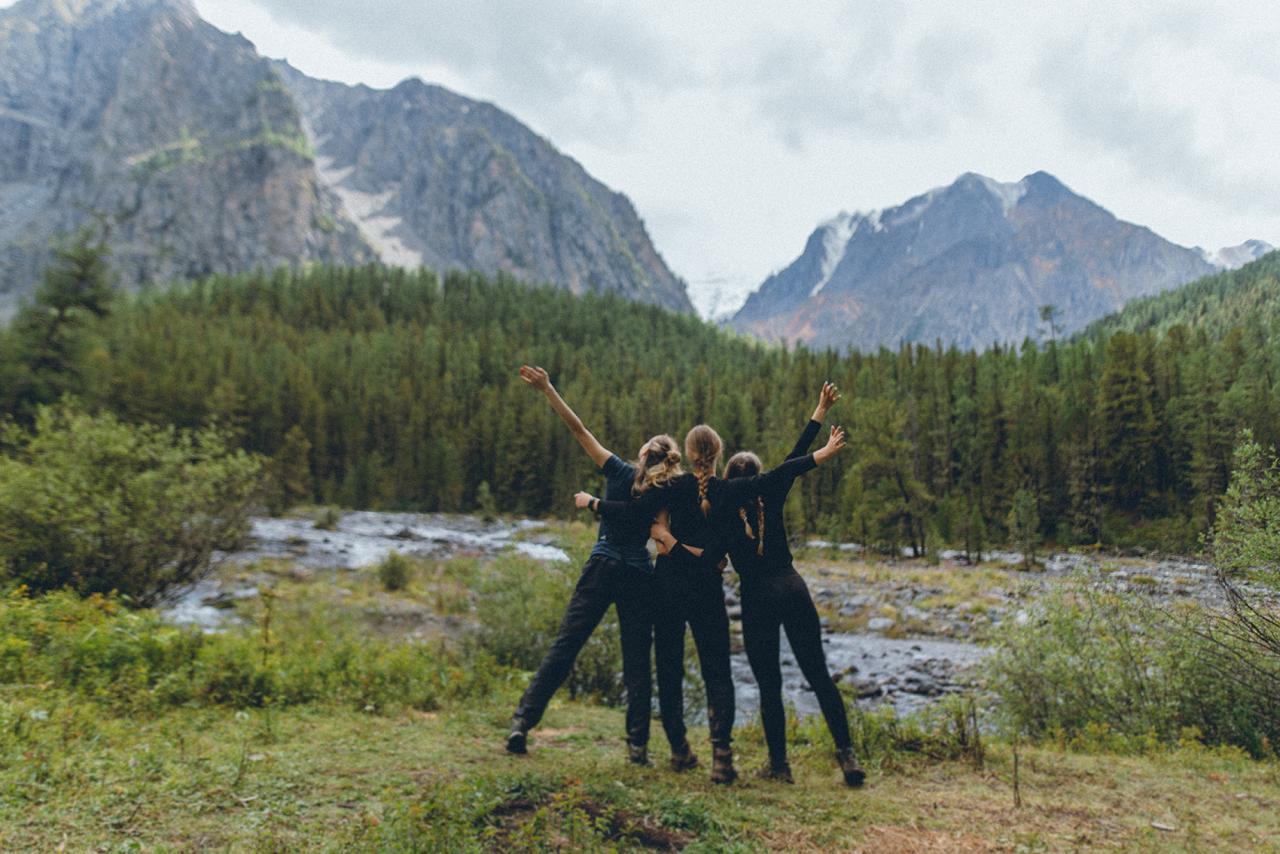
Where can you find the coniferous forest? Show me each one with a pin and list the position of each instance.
(382, 388)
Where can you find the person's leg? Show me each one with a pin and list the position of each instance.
(760, 629)
(668, 650)
(710, 625)
(591, 598)
(635, 627)
(804, 632)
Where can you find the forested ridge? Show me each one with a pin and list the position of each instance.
(377, 387)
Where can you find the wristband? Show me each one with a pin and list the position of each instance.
(595, 505)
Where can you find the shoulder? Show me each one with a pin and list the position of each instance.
(617, 466)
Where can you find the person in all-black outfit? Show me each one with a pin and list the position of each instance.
(689, 588)
(617, 573)
(774, 597)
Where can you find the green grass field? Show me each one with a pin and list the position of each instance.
(325, 778)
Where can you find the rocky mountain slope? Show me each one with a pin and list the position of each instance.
(198, 156)
(969, 264)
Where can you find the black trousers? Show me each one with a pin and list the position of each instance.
(692, 595)
(783, 601)
(604, 582)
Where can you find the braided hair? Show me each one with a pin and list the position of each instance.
(746, 464)
(703, 447)
(742, 514)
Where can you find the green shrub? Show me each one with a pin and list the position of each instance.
(328, 519)
(1089, 662)
(134, 661)
(91, 503)
(520, 606)
(393, 572)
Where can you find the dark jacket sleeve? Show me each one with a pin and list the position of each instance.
(807, 436)
(739, 489)
(641, 508)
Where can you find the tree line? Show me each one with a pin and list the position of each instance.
(384, 388)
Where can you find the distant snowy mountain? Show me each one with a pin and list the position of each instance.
(969, 264)
(1235, 257)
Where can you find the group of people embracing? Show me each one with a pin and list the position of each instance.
(697, 518)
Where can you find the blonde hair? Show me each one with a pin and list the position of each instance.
(746, 464)
(659, 463)
(703, 447)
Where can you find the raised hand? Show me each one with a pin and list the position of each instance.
(536, 377)
(582, 500)
(826, 399)
(835, 444)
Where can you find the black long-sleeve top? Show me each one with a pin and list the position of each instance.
(680, 499)
(728, 523)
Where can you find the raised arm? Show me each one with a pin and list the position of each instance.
(739, 489)
(539, 379)
(826, 399)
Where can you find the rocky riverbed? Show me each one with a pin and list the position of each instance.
(900, 632)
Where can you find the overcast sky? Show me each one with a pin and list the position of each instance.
(737, 126)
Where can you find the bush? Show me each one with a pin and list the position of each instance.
(328, 519)
(91, 503)
(393, 572)
(1246, 533)
(133, 660)
(520, 606)
(1090, 662)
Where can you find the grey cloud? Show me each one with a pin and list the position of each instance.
(1092, 86)
(884, 79)
(583, 63)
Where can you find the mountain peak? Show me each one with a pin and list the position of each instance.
(952, 264)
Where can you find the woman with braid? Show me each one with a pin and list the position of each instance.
(774, 596)
(689, 587)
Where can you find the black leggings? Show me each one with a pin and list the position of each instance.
(604, 582)
(783, 600)
(693, 595)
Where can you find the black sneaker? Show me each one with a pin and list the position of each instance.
(778, 772)
(683, 759)
(518, 740)
(722, 770)
(853, 773)
(637, 754)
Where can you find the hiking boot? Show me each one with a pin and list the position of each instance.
(853, 773)
(637, 754)
(518, 739)
(778, 772)
(683, 758)
(722, 770)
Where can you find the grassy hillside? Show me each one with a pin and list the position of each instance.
(1247, 297)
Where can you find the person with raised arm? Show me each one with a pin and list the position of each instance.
(618, 572)
(689, 587)
(775, 597)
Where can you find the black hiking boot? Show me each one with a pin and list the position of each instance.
(518, 739)
(637, 754)
(722, 770)
(778, 772)
(853, 773)
(683, 758)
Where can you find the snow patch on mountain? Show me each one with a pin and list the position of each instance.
(1234, 257)
(1009, 193)
(835, 238)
